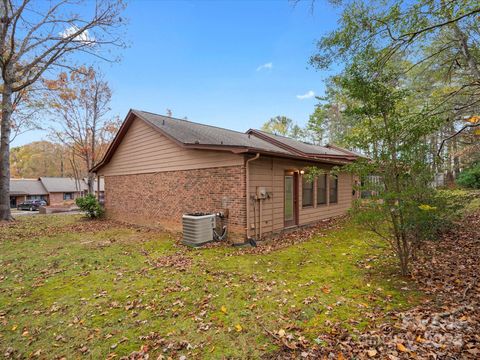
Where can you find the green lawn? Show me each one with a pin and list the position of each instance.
(78, 289)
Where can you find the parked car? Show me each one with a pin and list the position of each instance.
(31, 205)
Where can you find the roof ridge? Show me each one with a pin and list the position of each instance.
(192, 122)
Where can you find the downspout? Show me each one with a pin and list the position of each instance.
(260, 219)
(247, 192)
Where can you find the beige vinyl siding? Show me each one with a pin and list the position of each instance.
(270, 172)
(145, 150)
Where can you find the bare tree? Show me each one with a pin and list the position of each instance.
(26, 107)
(80, 104)
(36, 37)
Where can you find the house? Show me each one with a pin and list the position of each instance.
(159, 168)
(26, 189)
(62, 189)
(54, 190)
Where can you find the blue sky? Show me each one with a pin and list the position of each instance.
(203, 60)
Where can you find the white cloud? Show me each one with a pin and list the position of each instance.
(267, 66)
(309, 94)
(82, 37)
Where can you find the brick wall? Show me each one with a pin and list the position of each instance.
(160, 199)
(56, 199)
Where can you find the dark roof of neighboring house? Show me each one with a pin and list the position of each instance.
(199, 136)
(62, 184)
(27, 187)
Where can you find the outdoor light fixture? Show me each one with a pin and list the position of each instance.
(302, 172)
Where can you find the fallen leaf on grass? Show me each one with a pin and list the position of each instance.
(238, 327)
(37, 353)
(420, 339)
(401, 347)
(372, 353)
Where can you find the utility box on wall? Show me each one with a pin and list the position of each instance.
(262, 192)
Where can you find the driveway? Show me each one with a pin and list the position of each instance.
(16, 212)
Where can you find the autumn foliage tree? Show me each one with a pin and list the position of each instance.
(42, 158)
(441, 42)
(80, 104)
(410, 77)
(38, 37)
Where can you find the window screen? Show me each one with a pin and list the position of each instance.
(333, 189)
(307, 193)
(322, 189)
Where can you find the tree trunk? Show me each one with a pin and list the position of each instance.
(456, 159)
(466, 52)
(5, 152)
(90, 182)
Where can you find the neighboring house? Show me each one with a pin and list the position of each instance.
(158, 168)
(26, 189)
(54, 190)
(62, 189)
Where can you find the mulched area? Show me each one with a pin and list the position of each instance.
(446, 325)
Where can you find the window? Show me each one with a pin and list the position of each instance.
(307, 193)
(101, 197)
(322, 189)
(68, 196)
(35, 197)
(333, 189)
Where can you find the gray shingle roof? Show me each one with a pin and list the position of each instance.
(27, 187)
(188, 132)
(303, 146)
(59, 184)
(200, 136)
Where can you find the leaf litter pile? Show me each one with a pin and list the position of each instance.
(446, 325)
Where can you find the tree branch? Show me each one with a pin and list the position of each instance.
(468, 126)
